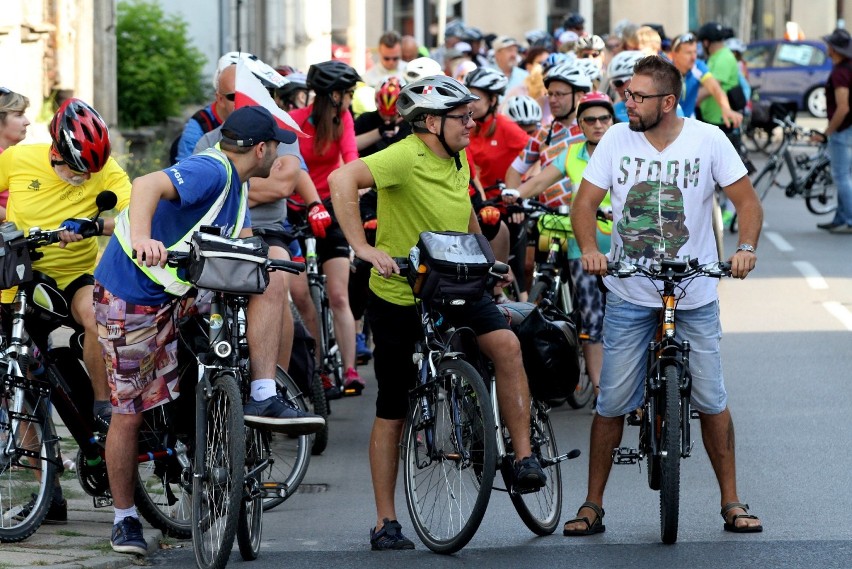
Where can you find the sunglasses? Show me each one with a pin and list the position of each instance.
(63, 163)
(603, 119)
(590, 54)
(229, 96)
(684, 38)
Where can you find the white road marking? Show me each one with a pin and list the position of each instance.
(812, 276)
(840, 312)
(780, 243)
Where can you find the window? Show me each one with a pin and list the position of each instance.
(796, 55)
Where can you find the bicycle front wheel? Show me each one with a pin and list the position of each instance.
(449, 457)
(290, 455)
(582, 394)
(217, 484)
(670, 460)
(820, 191)
(540, 511)
(250, 526)
(26, 475)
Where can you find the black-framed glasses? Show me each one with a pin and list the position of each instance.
(603, 119)
(637, 98)
(465, 119)
(230, 96)
(683, 38)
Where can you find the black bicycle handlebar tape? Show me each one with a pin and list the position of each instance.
(287, 266)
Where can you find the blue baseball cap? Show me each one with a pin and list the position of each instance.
(248, 126)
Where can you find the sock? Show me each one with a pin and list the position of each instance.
(120, 514)
(102, 408)
(262, 389)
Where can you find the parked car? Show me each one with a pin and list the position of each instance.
(790, 70)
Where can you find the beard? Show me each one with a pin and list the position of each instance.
(73, 180)
(645, 124)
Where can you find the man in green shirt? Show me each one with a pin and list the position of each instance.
(422, 185)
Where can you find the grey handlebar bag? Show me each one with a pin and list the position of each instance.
(236, 266)
(450, 267)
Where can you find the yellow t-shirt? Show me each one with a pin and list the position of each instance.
(418, 191)
(40, 198)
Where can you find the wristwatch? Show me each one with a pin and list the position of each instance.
(746, 247)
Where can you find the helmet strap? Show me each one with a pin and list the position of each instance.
(443, 141)
(336, 105)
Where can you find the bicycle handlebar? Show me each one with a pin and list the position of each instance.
(669, 270)
(182, 258)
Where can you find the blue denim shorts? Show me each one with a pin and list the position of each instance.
(629, 328)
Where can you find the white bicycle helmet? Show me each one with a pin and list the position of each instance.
(585, 43)
(421, 67)
(270, 78)
(590, 67)
(432, 96)
(736, 45)
(569, 72)
(523, 110)
(621, 66)
(487, 79)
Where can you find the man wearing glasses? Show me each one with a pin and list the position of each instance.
(390, 63)
(662, 203)
(422, 184)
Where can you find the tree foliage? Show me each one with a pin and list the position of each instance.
(159, 70)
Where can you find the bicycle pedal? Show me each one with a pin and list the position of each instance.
(693, 414)
(545, 462)
(624, 455)
(102, 501)
(271, 489)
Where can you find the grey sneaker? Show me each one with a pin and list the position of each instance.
(127, 537)
(281, 416)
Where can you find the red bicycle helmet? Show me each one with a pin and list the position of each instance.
(386, 97)
(595, 99)
(80, 136)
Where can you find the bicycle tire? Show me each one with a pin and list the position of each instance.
(820, 191)
(766, 179)
(670, 462)
(583, 392)
(540, 511)
(21, 481)
(250, 524)
(291, 455)
(320, 407)
(220, 449)
(446, 528)
(163, 486)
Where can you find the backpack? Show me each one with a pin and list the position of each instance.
(203, 118)
(549, 347)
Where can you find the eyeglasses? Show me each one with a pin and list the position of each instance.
(590, 54)
(558, 95)
(465, 119)
(637, 98)
(63, 163)
(685, 38)
(603, 119)
(229, 96)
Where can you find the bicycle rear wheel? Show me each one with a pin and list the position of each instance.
(540, 511)
(250, 526)
(670, 461)
(820, 191)
(582, 394)
(449, 457)
(26, 477)
(290, 455)
(163, 490)
(766, 179)
(217, 484)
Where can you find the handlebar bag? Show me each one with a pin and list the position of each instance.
(15, 264)
(451, 267)
(236, 266)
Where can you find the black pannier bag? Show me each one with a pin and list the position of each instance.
(15, 265)
(549, 346)
(235, 266)
(450, 267)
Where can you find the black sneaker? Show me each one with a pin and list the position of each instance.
(57, 513)
(127, 537)
(279, 415)
(828, 226)
(528, 475)
(389, 537)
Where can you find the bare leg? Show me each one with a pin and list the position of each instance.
(384, 466)
(302, 299)
(122, 457)
(337, 271)
(84, 314)
(265, 322)
(717, 433)
(606, 435)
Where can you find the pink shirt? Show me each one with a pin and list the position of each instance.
(320, 166)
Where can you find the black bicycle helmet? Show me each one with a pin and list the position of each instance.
(574, 21)
(713, 31)
(330, 76)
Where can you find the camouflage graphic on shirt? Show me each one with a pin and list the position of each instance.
(653, 223)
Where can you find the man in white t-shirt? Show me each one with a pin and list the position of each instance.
(661, 171)
(389, 62)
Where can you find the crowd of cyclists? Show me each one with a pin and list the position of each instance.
(498, 119)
